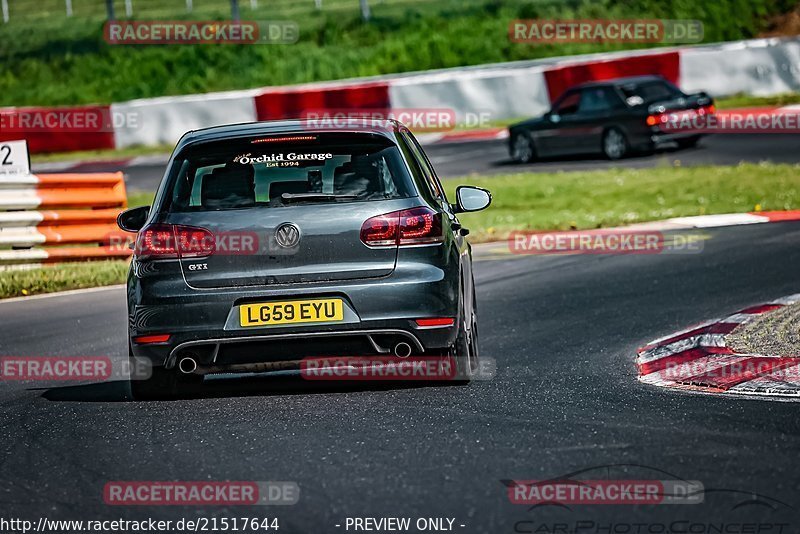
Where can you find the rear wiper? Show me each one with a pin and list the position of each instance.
(295, 197)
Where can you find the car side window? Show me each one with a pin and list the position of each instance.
(598, 99)
(425, 166)
(649, 92)
(568, 105)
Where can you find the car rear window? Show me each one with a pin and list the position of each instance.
(649, 92)
(282, 170)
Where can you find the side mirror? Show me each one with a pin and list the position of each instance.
(133, 220)
(470, 198)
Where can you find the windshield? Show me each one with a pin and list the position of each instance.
(287, 170)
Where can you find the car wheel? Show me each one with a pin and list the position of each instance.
(523, 149)
(465, 349)
(615, 144)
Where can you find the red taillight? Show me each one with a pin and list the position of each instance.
(381, 231)
(157, 241)
(195, 242)
(151, 338)
(415, 226)
(436, 321)
(707, 110)
(653, 120)
(420, 225)
(167, 241)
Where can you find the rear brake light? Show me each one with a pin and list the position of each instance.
(284, 139)
(156, 240)
(167, 241)
(381, 231)
(436, 321)
(653, 120)
(151, 338)
(415, 226)
(194, 242)
(420, 225)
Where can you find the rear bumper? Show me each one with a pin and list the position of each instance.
(231, 351)
(203, 322)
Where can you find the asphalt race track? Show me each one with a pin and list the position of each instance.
(491, 157)
(563, 331)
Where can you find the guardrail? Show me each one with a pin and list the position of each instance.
(73, 216)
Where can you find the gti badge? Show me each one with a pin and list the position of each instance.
(287, 235)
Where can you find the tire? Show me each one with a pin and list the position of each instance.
(615, 144)
(466, 349)
(523, 149)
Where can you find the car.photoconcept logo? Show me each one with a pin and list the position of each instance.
(287, 235)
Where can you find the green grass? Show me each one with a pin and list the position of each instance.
(139, 198)
(527, 201)
(49, 59)
(20, 283)
(595, 199)
(97, 155)
(745, 101)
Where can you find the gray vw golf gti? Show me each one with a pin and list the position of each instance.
(268, 243)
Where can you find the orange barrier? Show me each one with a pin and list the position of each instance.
(106, 190)
(94, 200)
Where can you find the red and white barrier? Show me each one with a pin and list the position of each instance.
(471, 93)
(502, 91)
(159, 121)
(58, 129)
(291, 102)
(761, 67)
(561, 77)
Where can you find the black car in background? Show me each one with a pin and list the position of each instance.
(611, 117)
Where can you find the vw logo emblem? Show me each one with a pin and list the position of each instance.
(287, 235)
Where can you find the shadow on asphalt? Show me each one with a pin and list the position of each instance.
(588, 158)
(263, 386)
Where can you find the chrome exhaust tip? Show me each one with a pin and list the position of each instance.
(187, 365)
(402, 350)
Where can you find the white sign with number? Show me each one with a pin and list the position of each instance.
(14, 158)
